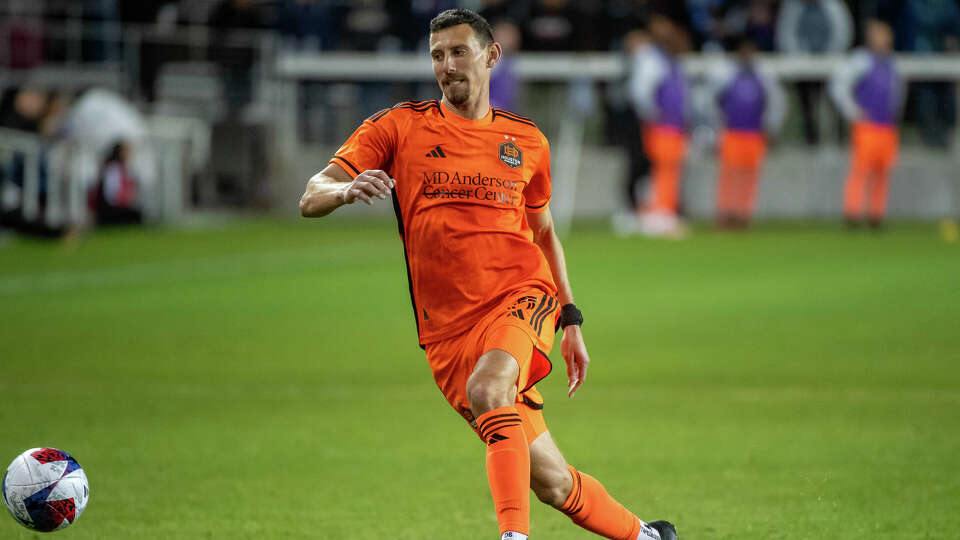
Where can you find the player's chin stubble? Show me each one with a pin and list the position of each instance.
(457, 96)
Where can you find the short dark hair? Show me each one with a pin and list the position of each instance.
(455, 17)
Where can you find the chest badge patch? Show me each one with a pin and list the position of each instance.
(510, 155)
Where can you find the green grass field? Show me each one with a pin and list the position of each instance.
(262, 380)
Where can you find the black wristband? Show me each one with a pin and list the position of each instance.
(569, 314)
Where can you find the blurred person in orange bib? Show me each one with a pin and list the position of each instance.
(471, 189)
(659, 93)
(870, 93)
(751, 105)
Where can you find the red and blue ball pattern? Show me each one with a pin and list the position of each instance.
(42, 498)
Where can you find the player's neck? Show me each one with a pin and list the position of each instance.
(471, 110)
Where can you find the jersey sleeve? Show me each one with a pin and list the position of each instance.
(371, 146)
(537, 193)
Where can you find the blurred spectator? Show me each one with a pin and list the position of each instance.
(309, 25)
(496, 10)
(625, 127)
(550, 26)
(926, 27)
(503, 80)
(592, 28)
(660, 94)
(23, 109)
(366, 27)
(624, 17)
(869, 92)
(409, 19)
(923, 26)
(101, 17)
(233, 50)
(813, 27)
(751, 106)
(704, 21)
(676, 12)
(97, 121)
(761, 24)
(21, 41)
(754, 20)
(116, 195)
(158, 18)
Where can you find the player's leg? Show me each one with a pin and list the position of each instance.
(854, 192)
(584, 499)
(885, 155)
(662, 150)
(491, 390)
(725, 196)
(878, 186)
(725, 184)
(753, 167)
(668, 186)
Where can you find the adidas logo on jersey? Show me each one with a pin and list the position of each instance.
(436, 152)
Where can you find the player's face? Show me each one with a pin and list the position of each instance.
(461, 64)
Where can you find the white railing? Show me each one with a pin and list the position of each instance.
(58, 198)
(63, 190)
(561, 67)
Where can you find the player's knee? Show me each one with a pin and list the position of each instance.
(493, 383)
(553, 488)
(486, 395)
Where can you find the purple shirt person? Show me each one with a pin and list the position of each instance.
(869, 92)
(503, 80)
(868, 88)
(659, 92)
(750, 105)
(748, 98)
(658, 89)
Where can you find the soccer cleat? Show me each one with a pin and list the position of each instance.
(666, 529)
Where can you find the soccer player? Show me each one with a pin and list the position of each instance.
(869, 93)
(471, 189)
(751, 105)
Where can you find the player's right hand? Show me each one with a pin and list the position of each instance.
(368, 184)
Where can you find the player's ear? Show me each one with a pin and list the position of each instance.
(494, 52)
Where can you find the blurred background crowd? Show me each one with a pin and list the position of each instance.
(106, 103)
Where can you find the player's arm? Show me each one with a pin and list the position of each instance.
(333, 187)
(572, 346)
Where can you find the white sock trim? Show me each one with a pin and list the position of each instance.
(510, 535)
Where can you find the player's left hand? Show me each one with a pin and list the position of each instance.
(575, 353)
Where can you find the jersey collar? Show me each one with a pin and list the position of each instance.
(458, 120)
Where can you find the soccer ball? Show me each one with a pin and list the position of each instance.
(45, 489)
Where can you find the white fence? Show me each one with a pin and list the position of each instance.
(561, 67)
(55, 175)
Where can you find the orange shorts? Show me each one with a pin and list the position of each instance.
(664, 144)
(874, 145)
(524, 325)
(742, 149)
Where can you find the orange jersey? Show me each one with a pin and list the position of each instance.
(463, 188)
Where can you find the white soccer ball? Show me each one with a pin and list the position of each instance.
(45, 489)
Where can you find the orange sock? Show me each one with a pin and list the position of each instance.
(508, 468)
(591, 507)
